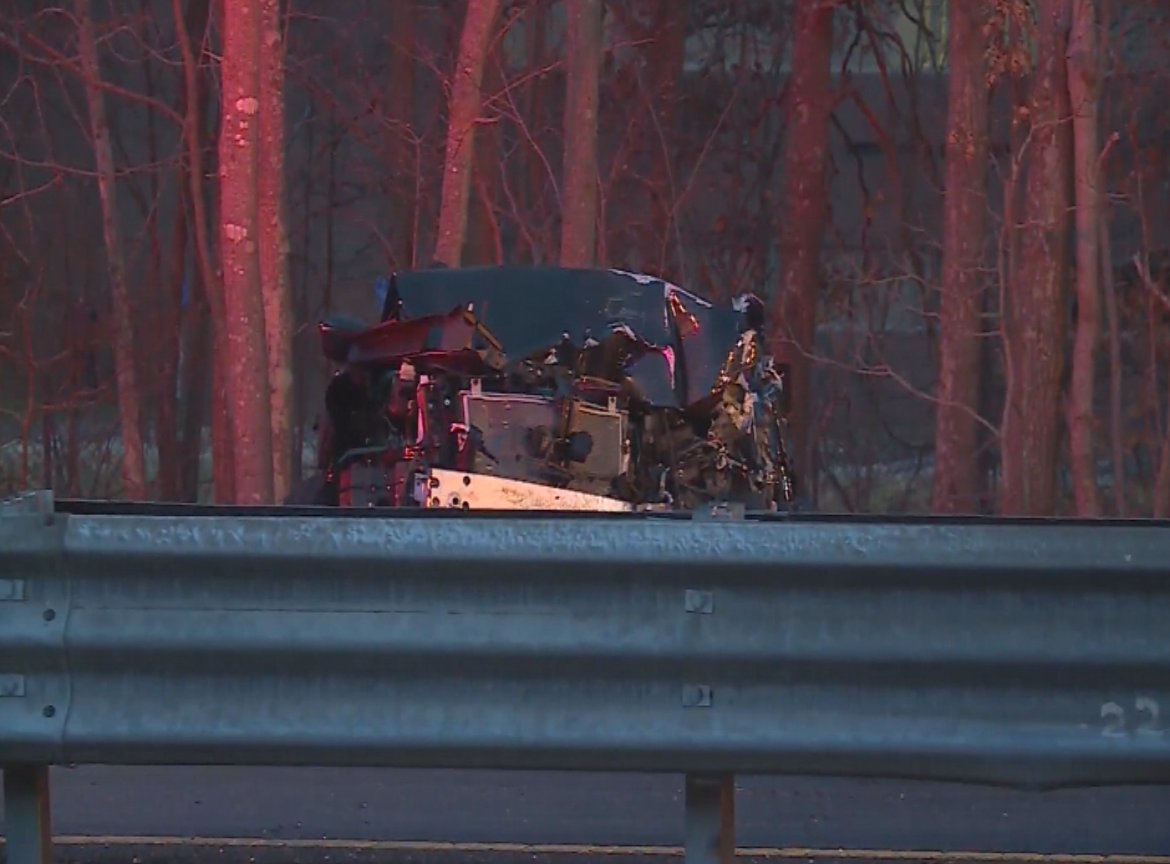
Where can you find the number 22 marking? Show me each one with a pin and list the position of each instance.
(1117, 726)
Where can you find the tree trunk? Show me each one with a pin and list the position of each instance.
(1150, 281)
(483, 227)
(169, 341)
(402, 156)
(644, 239)
(579, 189)
(802, 223)
(668, 53)
(181, 388)
(1116, 390)
(195, 86)
(462, 117)
(274, 275)
(239, 148)
(534, 114)
(129, 397)
(163, 328)
(197, 387)
(955, 484)
(1084, 86)
(1035, 313)
(1161, 507)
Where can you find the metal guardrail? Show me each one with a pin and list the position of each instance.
(1026, 654)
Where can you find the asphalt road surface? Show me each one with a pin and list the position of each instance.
(423, 813)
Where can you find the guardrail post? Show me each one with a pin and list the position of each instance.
(710, 819)
(26, 814)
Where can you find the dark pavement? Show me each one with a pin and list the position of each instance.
(593, 809)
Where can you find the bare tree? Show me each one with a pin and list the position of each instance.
(482, 244)
(404, 206)
(465, 103)
(579, 195)
(955, 482)
(709, 124)
(273, 237)
(805, 208)
(1084, 84)
(207, 276)
(239, 235)
(129, 397)
(1035, 310)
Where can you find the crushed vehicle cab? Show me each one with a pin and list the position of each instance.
(551, 388)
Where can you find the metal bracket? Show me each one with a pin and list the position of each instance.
(11, 590)
(11, 686)
(699, 602)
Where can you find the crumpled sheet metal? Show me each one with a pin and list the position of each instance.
(531, 309)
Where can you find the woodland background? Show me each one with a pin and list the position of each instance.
(959, 213)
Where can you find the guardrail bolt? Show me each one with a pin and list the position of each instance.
(49, 710)
(699, 602)
(49, 614)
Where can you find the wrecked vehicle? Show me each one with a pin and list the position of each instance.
(550, 388)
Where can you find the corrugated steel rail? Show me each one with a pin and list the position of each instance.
(1026, 653)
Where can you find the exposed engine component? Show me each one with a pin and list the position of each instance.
(551, 388)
